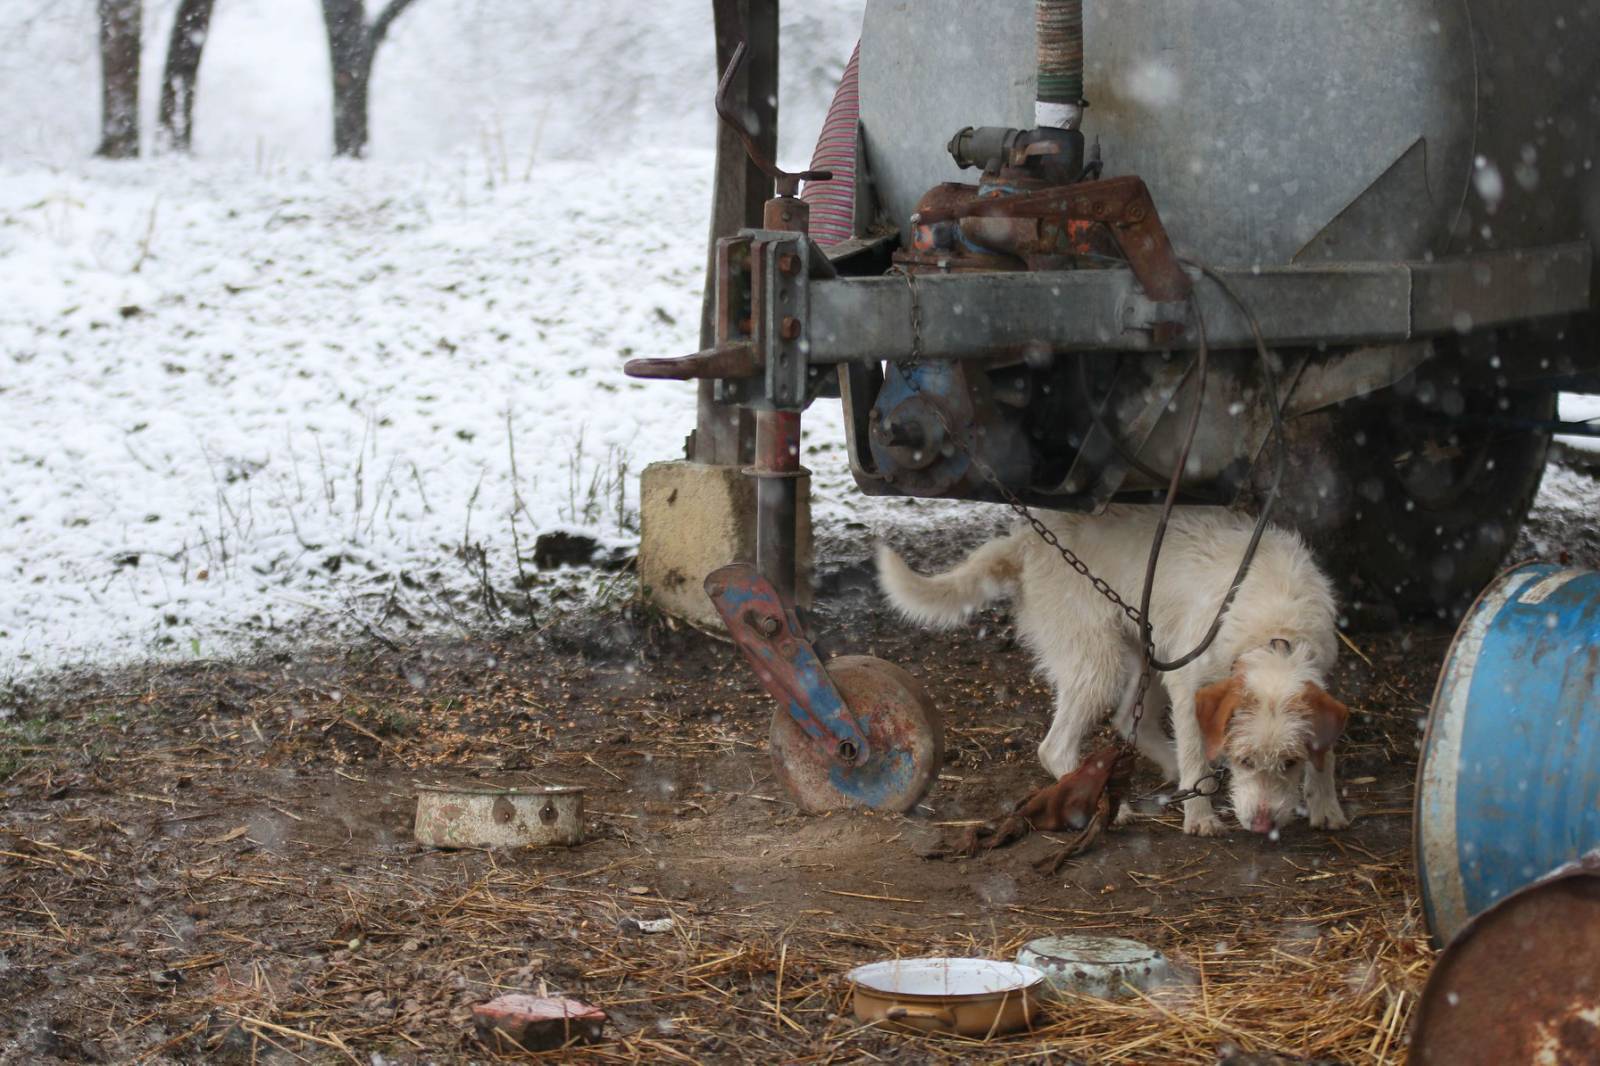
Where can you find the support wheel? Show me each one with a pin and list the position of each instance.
(1432, 493)
(901, 724)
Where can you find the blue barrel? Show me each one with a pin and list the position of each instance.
(1509, 784)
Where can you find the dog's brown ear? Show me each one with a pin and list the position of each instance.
(1328, 717)
(1214, 706)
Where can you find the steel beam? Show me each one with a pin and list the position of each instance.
(963, 316)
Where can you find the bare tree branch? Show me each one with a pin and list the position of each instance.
(385, 19)
(352, 47)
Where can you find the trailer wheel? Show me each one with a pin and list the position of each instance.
(1431, 500)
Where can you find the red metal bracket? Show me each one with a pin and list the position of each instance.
(1122, 204)
(765, 628)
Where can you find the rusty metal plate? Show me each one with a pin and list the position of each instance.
(1521, 982)
(477, 817)
(903, 729)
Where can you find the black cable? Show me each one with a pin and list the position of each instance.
(1271, 381)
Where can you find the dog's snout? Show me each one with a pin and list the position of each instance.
(1262, 821)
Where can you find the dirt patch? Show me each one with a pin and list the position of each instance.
(214, 862)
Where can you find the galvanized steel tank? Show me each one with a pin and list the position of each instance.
(1273, 132)
(1509, 784)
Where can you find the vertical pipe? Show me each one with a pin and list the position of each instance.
(1058, 26)
(777, 471)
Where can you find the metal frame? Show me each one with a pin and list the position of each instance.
(980, 316)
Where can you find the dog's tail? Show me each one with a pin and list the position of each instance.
(945, 600)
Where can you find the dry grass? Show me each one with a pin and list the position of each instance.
(410, 955)
(136, 853)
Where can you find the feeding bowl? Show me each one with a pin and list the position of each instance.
(482, 817)
(970, 997)
(1108, 967)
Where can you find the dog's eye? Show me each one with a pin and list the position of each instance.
(1247, 762)
(1291, 766)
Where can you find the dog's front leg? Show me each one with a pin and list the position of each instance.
(1198, 816)
(1322, 796)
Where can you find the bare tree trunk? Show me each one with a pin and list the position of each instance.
(352, 46)
(120, 22)
(176, 113)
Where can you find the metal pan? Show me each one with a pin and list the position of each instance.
(969, 997)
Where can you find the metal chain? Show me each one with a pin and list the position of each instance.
(1012, 500)
(1216, 776)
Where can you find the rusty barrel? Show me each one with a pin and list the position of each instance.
(1519, 983)
(1508, 788)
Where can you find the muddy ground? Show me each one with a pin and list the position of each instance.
(214, 862)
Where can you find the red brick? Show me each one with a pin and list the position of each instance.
(538, 1023)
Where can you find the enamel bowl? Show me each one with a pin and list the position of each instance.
(971, 997)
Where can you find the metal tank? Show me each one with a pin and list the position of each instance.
(1272, 133)
(1509, 784)
(1344, 250)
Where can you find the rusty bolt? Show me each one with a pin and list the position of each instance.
(1135, 214)
(791, 327)
(1098, 209)
(789, 263)
(769, 626)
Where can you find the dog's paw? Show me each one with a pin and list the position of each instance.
(1126, 815)
(1330, 817)
(1205, 824)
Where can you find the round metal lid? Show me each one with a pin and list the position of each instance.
(1096, 965)
(1520, 982)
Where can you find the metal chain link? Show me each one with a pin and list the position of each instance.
(1012, 500)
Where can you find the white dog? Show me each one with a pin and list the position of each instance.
(1255, 694)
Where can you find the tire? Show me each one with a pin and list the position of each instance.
(1425, 503)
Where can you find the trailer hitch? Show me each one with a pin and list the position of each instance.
(766, 628)
(854, 731)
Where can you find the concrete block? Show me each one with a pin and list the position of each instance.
(695, 518)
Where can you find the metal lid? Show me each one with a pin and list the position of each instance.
(1096, 965)
(1520, 982)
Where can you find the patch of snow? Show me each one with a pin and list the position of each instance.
(244, 401)
(1580, 408)
(258, 394)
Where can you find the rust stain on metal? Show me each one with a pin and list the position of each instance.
(736, 360)
(778, 452)
(1520, 983)
(901, 723)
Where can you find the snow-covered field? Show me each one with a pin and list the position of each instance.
(236, 400)
(257, 394)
